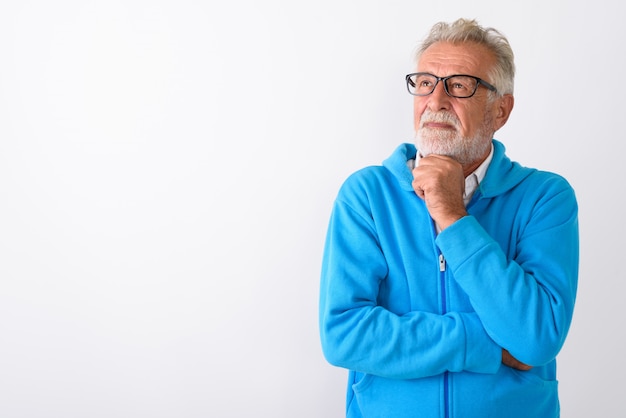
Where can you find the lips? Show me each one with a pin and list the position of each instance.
(438, 125)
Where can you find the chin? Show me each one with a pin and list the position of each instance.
(437, 142)
(463, 150)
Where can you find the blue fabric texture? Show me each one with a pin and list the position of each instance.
(419, 340)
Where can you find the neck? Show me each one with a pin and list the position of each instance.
(470, 168)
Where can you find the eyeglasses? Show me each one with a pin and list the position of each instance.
(459, 85)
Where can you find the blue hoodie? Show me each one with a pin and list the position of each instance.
(420, 319)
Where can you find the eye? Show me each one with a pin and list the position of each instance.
(461, 86)
(458, 85)
(424, 82)
(421, 84)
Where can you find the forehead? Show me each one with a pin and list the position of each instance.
(444, 58)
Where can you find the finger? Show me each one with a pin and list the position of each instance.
(419, 191)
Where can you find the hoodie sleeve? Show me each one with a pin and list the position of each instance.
(359, 334)
(525, 296)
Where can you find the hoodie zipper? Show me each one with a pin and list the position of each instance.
(444, 310)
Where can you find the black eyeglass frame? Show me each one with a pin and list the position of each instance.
(409, 83)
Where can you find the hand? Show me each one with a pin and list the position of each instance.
(439, 180)
(509, 360)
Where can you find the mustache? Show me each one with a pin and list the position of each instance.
(439, 117)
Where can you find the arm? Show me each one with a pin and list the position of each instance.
(358, 334)
(525, 301)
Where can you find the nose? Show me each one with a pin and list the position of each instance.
(438, 99)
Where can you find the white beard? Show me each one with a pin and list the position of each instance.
(465, 150)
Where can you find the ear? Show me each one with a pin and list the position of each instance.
(504, 106)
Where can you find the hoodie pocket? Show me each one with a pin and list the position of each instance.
(378, 397)
(511, 393)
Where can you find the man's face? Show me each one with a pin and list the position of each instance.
(459, 128)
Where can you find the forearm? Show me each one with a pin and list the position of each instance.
(419, 344)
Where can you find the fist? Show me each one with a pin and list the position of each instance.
(440, 182)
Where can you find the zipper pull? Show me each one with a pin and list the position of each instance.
(442, 263)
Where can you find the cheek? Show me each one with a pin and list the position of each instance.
(469, 121)
(418, 109)
(416, 118)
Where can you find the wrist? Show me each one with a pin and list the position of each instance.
(445, 222)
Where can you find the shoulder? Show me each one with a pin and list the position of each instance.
(391, 174)
(504, 175)
(366, 180)
(546, 186)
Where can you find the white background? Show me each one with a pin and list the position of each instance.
(167, 170)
